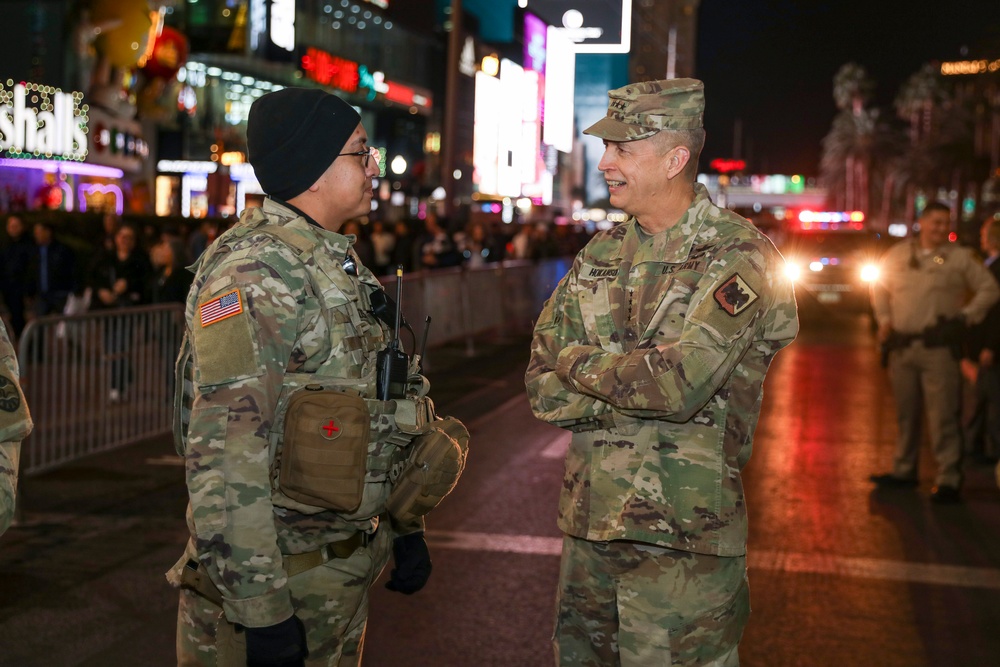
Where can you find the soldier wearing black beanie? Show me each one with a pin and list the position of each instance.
(281, 304)
(293, 135)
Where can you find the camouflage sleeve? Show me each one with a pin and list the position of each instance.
(673, 381)
(8, 482)
(15, 425)
(239, 361)
(985, 291)
(560, 324)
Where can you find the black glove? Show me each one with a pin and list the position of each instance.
(280, 645)
(413, 564)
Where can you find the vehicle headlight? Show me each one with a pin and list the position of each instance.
(793, 271)
(869, 273)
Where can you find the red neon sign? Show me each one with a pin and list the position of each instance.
(329, 70)
(726, 165)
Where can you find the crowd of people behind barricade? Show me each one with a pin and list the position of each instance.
(133, 264)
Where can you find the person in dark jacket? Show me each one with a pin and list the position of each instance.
(119, 279)
(170, 281)
(983, 354)
(52, 275)
(15, 262)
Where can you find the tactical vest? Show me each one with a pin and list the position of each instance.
(355, 488)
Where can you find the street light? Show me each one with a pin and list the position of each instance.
(398, 165)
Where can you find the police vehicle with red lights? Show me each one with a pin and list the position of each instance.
(832, 257)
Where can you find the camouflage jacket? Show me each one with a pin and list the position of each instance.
(15, 425)
(259, 312)
(653, 352)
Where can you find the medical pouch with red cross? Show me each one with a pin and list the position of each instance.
(324, 455)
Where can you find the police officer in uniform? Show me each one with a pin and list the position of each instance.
(653, 351)
(922, 311)
(288, 454)
(15, 425)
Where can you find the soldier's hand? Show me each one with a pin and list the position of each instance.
(413, 564)
(279, 645)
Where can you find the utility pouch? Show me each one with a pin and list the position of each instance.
(435, 462)
(325, 450)
(230, 644)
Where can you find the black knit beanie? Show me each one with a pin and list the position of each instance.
(293, 135)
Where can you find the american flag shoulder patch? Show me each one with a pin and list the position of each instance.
(221, 307)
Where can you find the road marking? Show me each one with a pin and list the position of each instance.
(558, 447)
(777, 561)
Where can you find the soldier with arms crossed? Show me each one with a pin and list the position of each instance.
(15, 425)
(652, 351)
(292, 462)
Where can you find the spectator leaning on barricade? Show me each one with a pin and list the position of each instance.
(293, 455)
(15, 262)
(652, 351)
(118, 279)
(983, 356)
(15, 425)
(921, 308)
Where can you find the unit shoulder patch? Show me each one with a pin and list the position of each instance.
(221, 307)
(734, 296)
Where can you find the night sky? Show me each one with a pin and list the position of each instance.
(771, 63)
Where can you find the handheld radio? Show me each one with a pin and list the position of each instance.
(392, 364)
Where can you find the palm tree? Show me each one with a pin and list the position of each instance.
(849, 147)
(940, 148)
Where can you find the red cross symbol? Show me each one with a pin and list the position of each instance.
(330, 428)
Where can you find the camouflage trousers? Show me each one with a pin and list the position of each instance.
(634, 605)
(331, 600)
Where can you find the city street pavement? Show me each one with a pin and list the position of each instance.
(840, 574)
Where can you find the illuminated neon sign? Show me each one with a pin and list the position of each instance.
(329, 70)
(970, 67)
(40, 121)
(726, 165)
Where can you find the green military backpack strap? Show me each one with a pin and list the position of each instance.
(435, 463)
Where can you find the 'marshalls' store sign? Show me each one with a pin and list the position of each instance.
(39, 121)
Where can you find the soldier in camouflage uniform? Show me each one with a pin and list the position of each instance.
(280, 305)
(15, 425)
(653, 351)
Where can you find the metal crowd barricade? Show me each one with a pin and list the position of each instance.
(97, 381)
(503, 298)
(105, 379)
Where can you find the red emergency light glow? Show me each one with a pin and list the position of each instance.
(813, 220)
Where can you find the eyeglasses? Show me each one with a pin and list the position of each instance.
(371, 152)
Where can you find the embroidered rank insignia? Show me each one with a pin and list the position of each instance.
(735, 296)
(221, 307)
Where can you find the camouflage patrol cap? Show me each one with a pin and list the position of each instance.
(640, 110)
